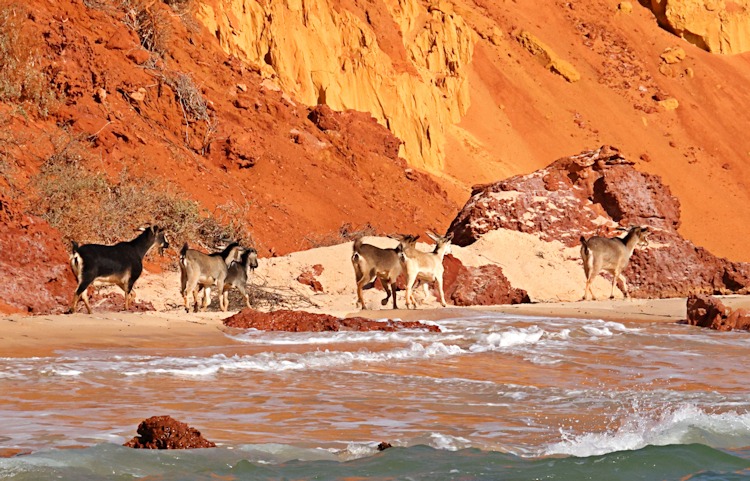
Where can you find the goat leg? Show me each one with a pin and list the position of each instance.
(385, 284)
(440, 290)
(624, 286)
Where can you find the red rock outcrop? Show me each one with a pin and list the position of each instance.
(707, 311)
(309, 276)
(578, 195)
(34, 262)
(300, 321)
(478, 286)
(115, 301)
(163, 432)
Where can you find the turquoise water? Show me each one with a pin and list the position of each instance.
(679, 462)
(491, 397)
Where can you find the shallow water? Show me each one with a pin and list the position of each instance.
(493, 396)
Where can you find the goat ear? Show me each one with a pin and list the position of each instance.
(432, 235)
(449, 236)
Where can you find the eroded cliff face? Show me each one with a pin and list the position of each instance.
(718, 26)
(402, 62)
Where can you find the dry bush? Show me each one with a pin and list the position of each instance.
(188, 95)
(23, 79)
(86, 206)
(345, 233)
(194, 108)
(272, 298)
(150, 22)
(11, 174)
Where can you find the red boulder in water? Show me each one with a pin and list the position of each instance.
(163, 432)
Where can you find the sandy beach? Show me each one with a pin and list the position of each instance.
(554, 288)
(28, 336)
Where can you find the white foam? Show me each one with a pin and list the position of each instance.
(277, 362)
(511, 337)
(448, 442)
(683, 425)
(598, 331)
(306, 338)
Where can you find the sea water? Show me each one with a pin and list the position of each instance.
(492, 396)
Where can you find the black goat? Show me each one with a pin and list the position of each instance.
(119, 264)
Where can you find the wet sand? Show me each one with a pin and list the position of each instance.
(28, 336)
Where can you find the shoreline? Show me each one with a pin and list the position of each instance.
(43, 335)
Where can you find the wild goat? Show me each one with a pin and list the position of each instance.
(237, 275)
(119, 264)
(371, 262)
(199, 270)
(611, 255)
(424, 266)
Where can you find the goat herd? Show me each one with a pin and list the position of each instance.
(121, 264)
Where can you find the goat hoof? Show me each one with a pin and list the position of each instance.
(384, 302)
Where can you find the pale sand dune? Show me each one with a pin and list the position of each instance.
(548, 271)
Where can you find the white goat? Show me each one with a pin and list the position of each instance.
(611, 255)
(424, 266)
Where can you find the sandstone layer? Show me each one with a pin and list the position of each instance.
(718, 26)
(403, 61)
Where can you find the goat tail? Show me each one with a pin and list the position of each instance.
(76, 262)
(584, 243)
(183, 252)
(356, 246)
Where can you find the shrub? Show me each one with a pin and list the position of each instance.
(194, 108)
(22, 74)
(88, 207)
(345, 233)
(150, 23)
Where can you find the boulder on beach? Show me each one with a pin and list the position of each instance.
(584, 194)
(301, 321)
(708, 311)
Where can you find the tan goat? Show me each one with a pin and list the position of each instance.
(199, 270)
(371, 262)
(611, 255)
